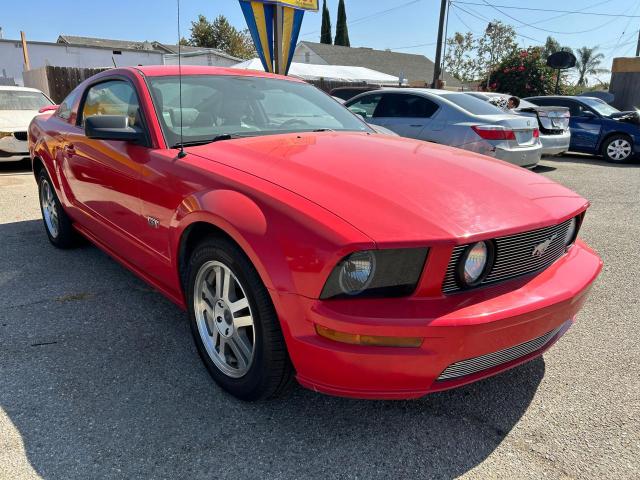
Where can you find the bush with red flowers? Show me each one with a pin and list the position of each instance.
(524, 73)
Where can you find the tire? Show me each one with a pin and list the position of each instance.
(235, 321)
(57, 223)
(617, 149)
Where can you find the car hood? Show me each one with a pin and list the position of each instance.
(16, 119)
(397, 190)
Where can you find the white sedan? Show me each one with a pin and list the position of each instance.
(18, 106)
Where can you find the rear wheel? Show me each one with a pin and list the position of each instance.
(234, 323)
(56, 222)
(617, 149)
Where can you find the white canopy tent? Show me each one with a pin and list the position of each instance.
(337, 73)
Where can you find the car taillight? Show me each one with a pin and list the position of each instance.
(494, 132)
(536, 133)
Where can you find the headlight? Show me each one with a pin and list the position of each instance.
(572, 230)
(475, 263)
(376, 273)
(6, 134)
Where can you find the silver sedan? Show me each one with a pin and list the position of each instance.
(452, 118)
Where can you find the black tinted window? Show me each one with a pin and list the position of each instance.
(403, 105)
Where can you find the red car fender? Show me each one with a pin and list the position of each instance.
(235, 214)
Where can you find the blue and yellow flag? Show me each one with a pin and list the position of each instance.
(260, 16)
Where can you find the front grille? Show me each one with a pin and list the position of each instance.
(20, 136)
(490, 360)
(514, 256)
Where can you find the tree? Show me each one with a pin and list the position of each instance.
(458, 59)
(552, 46)
(342, 31)
(524, 73)
(325, 30)
(498, 43)
(588, 63)
(221, 35)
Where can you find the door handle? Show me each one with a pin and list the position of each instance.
(416, 125)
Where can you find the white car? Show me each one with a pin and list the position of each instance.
(18, 106)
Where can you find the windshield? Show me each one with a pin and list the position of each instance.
(471, 104)
(214, 105)
(600, 106)
(22, 100)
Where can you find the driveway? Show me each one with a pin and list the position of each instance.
(99, 377)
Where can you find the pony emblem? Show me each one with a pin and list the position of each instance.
(538, 250)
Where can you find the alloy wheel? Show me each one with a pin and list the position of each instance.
(224, 319)
(49, 208)
(619, 149)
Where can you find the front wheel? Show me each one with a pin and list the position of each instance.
(234, 323)
(56, 222)
(617, 149)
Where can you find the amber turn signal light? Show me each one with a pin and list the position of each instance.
(368, 340)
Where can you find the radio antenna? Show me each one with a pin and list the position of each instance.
(181, 153)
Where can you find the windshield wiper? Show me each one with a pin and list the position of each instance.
(323, 130)
(217, 138)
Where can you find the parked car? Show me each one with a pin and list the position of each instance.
(598, 128)
(452, 118)
(18, 106)
(363, 265)
(347, 93)
(553, 122)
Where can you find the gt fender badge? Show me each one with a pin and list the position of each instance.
(153, 222)
(538, 250)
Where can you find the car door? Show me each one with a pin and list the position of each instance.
(103, 175)
(585, 126)
(406, 114)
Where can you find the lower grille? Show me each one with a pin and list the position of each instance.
(490, 360)
(515, 255)
(20, 136)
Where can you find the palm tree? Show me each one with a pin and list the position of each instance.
(588, 63)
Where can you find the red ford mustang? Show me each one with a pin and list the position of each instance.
(305, 245)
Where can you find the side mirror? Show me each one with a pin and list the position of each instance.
(48, 108)
(588, 114)
(362, 114)
(111, 127)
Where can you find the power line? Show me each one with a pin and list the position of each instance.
(547, 30)
(367, 17)
(577, 12)
(484, 20)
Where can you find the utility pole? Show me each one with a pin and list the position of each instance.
(25, 51)
(638, 47)
(436, 66)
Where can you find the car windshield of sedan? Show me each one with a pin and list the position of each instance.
(600, 106)
(22, 100)
(217, 105)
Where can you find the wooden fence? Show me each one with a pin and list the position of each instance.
(625, 78)
(57, 82)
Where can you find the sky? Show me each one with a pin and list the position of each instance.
(404, 25)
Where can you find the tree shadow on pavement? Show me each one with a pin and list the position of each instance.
(100, 378)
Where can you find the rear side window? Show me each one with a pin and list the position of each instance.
(366, 105)
(113, 97)
(473, 105)
(406, 106)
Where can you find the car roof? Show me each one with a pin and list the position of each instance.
(173, 70)
(19, 89)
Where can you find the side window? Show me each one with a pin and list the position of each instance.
(65, 108)
(113, 97)
(406, 106)
(365, 106)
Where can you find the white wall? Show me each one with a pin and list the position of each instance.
(203, 59)
(59, 55)
(304, 54)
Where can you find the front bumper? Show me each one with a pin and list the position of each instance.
(555, 144)
(455, 328)
(12, 149)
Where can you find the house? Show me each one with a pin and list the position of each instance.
(416, 69)
(212, 56)
(89, 52)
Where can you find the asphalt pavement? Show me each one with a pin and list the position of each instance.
(99, 377)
